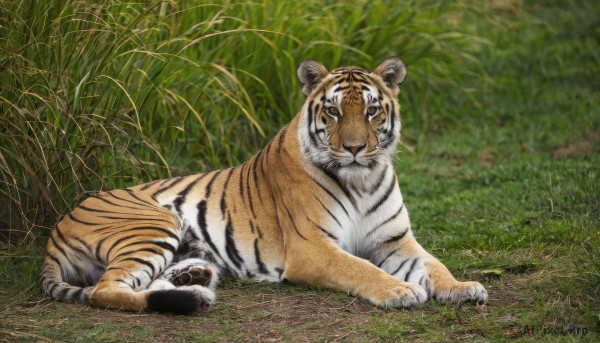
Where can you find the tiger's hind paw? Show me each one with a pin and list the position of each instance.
(195, 275)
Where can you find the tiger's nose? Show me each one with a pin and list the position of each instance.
(354, 149)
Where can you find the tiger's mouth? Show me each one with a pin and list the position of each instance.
(357, 163)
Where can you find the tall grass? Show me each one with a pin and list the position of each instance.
(96, 96)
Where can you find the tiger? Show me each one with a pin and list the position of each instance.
(319, 205)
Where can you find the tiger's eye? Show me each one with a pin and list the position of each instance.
(372, 110)
(332, 111)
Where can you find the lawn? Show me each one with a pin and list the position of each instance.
(499, 164)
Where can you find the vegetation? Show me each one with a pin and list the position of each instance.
(499, 161)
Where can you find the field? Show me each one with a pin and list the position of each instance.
(499, 161)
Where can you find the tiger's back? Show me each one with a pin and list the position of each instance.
(319, 205)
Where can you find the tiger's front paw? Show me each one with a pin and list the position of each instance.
(403, 294)
(461, 292)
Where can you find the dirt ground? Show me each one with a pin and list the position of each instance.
(264, 312)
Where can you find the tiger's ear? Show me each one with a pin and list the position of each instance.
(310, 73)
(392, 72)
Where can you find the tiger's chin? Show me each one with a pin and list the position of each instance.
(355, 173)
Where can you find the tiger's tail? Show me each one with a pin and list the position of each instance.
(55, 286)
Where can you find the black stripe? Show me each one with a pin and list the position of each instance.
(386, 258)
(387, 194)
(151, 250)
(330, 194)
(98, 248)
(142, 261)
(161, 244)
(110, 228)
(263, 165)
(256, 162)
(148, 185)
(293, 224)
(379, 181)
(155, 228)
(250, 200)
(143, 202)
(203, 227)
(387, 220)
(165, 245)
(397, 237)
(116, 232)
(119, 206)
(49, 291)
(241, 185)
(158, 253)
(72, 217)
(67, 243)
(134, 219)
(85, 208)
(181, 196)
(261, 266)
(230, 247)
(171, 184)
(63, 293)
(386, 141)
(145, 215)
(224, 192)
(400, 266)
(77, 294)
(279, 271)
(210, 183)
(260, 235)
(329, 212)
(332, 236)
(316, 114)
(59, 247)
(118, 241)
(393, 117)
(82, 243)
(370, 79)
(311, 134)
(278, 226)
(136, 197)
(410, 270)
(334, 177)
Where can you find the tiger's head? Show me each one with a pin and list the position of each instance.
(350, 124)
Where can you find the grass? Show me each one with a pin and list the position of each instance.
(499, 162)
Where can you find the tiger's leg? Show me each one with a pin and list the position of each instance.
(399, 254)
(191, 271)
(322, 263)
(125, 284)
